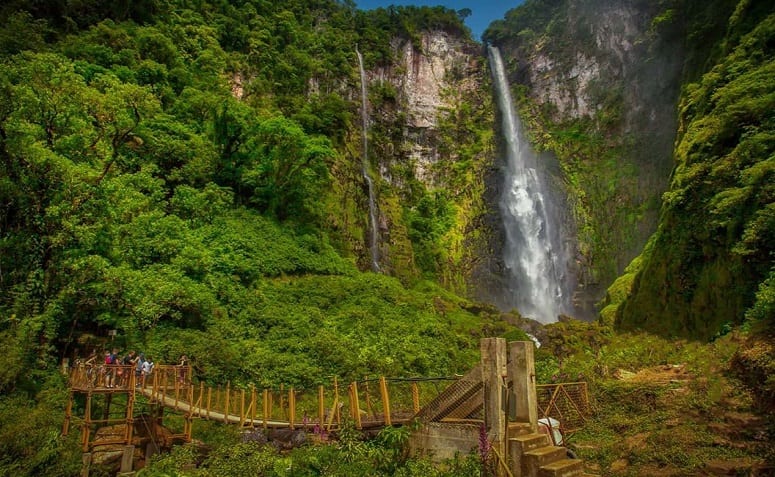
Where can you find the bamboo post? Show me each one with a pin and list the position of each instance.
(282, 401)
(201, 395)
(265, 403)
(332, 414)
(385, 400)
(209, 395)
(226, 405)
(177, 394)
(130, 413)
(132, 382)
(252, 405)
(334, 406)
(367, 398)
(162, 390)
(355, 409)
(337, 411)
(242, 408)
(415, 397)
(321, 406)
(68, 414)
(187, 428)
(291, 408)
(86, 426)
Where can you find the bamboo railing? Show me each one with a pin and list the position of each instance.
(369, 403)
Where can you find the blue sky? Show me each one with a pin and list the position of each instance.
(483, 12)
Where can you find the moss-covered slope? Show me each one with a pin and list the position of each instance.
(714, 246)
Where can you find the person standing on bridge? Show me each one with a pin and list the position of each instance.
(182, 369)
(90, 369)
(147, 369)
(111, 359)
(126, 367)
(139, 369)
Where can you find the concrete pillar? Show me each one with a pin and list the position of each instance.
(127, 458)
(493, 375)
(521, 369)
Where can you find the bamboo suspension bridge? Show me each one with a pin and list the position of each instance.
(498, 395)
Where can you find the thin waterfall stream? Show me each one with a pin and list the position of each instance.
(532, 250)
(374, 242)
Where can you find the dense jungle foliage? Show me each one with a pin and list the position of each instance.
(183, 173)
(715, 246)
(187, 173)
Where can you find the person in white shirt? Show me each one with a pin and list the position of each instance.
(147, 368)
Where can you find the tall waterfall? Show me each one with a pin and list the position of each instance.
(532, 252)
(374, 243)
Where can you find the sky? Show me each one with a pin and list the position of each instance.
(483, 12)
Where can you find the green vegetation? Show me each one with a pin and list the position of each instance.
(660, 405)
(714, 245)
(349, 455)
(185, 174)
(188, 174)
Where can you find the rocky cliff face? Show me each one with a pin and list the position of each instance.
(602, 47)
(430, 140)
(429, 78)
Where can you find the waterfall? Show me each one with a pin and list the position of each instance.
(532, 251)
(374, 245)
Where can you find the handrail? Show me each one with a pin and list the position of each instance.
(392, 401)
(502, 461)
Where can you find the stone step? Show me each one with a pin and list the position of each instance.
(519, 428)
(535, 459)
(528, 442)
(563, 468)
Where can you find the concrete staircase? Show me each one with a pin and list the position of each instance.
(533, 455)
(504, 379)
